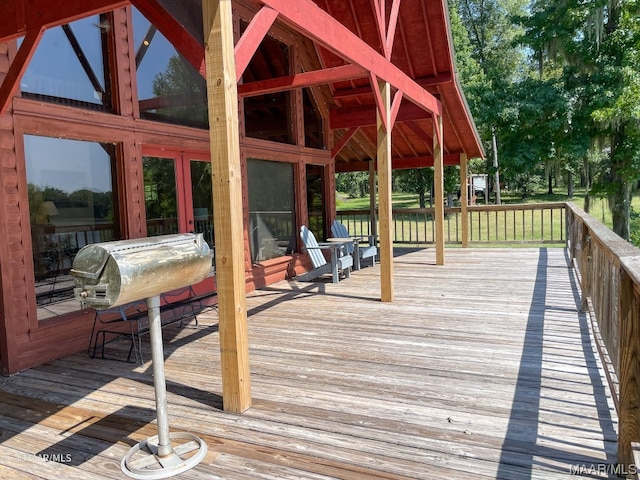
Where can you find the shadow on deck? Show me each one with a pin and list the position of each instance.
(483, 368)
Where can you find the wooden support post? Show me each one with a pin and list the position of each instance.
(464, 201)
(373, 190)
(438, 181)
(227, 193)
(384, 185)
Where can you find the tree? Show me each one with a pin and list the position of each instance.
(491, 36)
(354, 184)
(416, 180)
(184, 90)
(597, 45)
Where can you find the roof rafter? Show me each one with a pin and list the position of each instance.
(18, 66)
(365, 115)
(301, 80)
(424, 161)
(423, 82)
(343, 141)
(178, 36)
(20, 17)
(308, 18)
(252, 37)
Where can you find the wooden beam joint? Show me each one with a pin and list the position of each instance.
(11, 81)
(252, 37)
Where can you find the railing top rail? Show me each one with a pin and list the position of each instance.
(475, 208)
(632, 267)
(609, 240)
(518, 206)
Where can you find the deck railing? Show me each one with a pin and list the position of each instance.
(608, 270)
(488, 224)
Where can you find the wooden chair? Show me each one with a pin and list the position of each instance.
(340, 262)
(357, 248)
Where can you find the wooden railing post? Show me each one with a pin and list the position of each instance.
(569, 241)
(464, 201)
(585, 268)
(629, 376)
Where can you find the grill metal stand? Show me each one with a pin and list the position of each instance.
(114, 273)
(156, 458)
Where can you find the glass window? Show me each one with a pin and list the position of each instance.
(160, 200)
(202, 196)
(169, 88)
(269, 116)
(72, 203)
(70, 65)
(315, 200)
(271, 209)
(187, 14)
(313, 127)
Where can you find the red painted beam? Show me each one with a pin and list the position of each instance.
(380, 17)
(252, 37)
(301, 80)
(391, 29)
(343, 141)
(398, 163)
(423, 82)
(365, 115)
(426, 138)
(306, 17)
(19, 16)
(185, 43)
(10, 83)
(395, 104)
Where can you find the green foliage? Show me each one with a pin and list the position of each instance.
(160, 188)
(560, 87)
(417, 180)
(182, 82)
(525, 184)
(100, 203)
(597, 46)
(354, 184)
(635, 227)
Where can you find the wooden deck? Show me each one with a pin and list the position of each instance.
(482, 368)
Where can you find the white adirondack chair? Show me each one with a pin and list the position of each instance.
(359, 250)
(340, 262)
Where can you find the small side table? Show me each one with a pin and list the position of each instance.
(356, 248)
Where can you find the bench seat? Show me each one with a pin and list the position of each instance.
(108, 323)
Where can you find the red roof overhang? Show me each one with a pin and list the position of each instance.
(407, 44)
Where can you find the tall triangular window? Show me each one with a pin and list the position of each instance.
(169, 88)
(71, 66)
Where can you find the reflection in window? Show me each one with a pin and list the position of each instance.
(71, 204)
(269, 116)
(271, 209)
(202, 200)
(169, 88)
(187, 14)
(315, 200)
(160, 200)
(70, 65)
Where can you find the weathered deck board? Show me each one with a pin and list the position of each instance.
(482, 368)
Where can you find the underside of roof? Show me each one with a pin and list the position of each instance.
(422, 48)
(350, 44)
